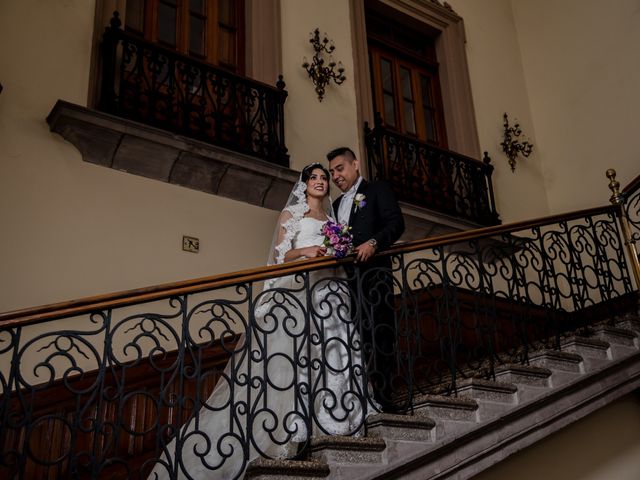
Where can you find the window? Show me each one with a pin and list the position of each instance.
(209, 30)
(446, 50)
(405, 80)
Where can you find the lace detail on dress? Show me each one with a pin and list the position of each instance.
(292, 225)
(299, 233)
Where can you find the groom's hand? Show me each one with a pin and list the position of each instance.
(364, 252)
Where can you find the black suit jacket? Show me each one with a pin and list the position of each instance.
(380, 218)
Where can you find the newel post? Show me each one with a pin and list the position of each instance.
(281, 148)
(618, 199)
(488, 171)
(109, 49)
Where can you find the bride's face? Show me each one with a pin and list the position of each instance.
(318, 183)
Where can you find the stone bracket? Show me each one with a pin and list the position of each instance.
(133, 147)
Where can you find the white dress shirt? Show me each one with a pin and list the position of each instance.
(346, 202)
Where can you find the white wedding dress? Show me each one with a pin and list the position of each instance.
(296, 355)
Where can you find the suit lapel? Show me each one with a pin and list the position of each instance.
(336, 206)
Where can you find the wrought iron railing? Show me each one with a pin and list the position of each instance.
(116, 385)
(432, 177)
(145, 82)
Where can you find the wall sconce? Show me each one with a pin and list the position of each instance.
(511, 146)
(319, 72)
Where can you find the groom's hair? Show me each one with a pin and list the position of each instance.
(346, 151)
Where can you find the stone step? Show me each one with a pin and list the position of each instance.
(494, 398)
(342, 449)
(557, 361)
(488, 390)
(408, 428)
(622, 342)
(440, 407)
(586, 347)
(532, 382)
(265, 469)
(631, 323)
(595, 353)
(617, 335)
(524, 375)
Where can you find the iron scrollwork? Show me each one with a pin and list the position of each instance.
(132, 389)
(145, 82)
(431, 177)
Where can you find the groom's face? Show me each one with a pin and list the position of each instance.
(344, 171)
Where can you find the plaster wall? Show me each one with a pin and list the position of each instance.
(601, 446)
(72, 229)
(582, 69)
(499, 85)
(312, 127)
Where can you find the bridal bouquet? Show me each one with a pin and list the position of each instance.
(337, 239)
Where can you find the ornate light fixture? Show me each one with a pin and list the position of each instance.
(511, 146)
(320, 72)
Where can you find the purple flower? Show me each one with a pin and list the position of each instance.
(337, 238)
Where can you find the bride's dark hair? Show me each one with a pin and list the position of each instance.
(306, 171)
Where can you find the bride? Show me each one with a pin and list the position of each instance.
(296, 372)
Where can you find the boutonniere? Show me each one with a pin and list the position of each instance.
(359, 201)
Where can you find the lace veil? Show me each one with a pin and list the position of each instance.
(288, 224)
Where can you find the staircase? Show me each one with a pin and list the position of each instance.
(458, 437)
(472, 311)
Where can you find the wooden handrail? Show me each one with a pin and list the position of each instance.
(148, 294)
(631, 186)
(33, 315)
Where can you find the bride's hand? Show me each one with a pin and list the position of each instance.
(315, 251)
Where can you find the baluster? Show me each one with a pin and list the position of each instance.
(494, 218)
(281, 155)
(110, 41)
(383, 156)
(368, 133)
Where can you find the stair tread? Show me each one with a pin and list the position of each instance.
(446, 402)
(405, 421)
(586, 341)
(622, 332)
(557, 355)
(347, 443)
(526, 370)
(489, 385)
(308, 468)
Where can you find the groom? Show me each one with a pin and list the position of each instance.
(376, 222)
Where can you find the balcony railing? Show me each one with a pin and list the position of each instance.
(145, 82)
(107, 392)
(431, 177)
